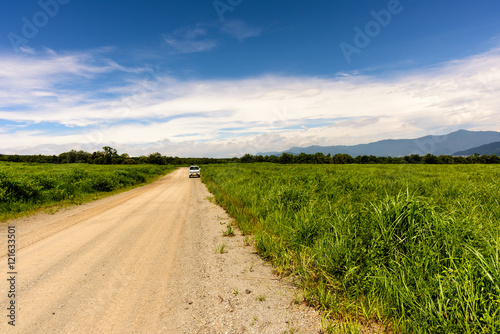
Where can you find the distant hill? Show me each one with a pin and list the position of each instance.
(488, 149)
(460, 140)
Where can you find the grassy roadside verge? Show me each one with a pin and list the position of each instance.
(27, 188)
(405, 248)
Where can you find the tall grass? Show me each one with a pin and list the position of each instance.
(413, 248)
(28, 186)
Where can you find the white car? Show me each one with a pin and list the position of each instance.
(194, 171)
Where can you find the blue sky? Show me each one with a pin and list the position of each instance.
(229, 77)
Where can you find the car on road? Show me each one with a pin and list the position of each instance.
(194, 171)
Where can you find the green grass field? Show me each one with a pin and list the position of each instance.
(26, 187)
(412, 248)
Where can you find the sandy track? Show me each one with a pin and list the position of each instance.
(144, 262)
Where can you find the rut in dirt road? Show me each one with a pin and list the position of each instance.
(126, 264)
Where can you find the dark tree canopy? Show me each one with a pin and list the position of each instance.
(109, 155)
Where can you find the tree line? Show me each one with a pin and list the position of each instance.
(320, 158)
(110, 156)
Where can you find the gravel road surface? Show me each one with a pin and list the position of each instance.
(144, 261)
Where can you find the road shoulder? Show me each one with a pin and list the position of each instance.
(233, 291)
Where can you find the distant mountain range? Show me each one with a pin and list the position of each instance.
(488, 149)
(454, 143)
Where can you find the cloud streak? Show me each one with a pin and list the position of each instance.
(47, 101)
(197, 39)
(240, 30)
(190, 40)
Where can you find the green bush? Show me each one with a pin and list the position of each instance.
(26, 186)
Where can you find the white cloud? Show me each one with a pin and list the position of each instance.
(240, 30)
(190, 46)
(196, 39)
(27, 49)
(189, 40)
(233, 117)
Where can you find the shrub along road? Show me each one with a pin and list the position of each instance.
(144, 261)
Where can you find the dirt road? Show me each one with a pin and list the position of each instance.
(144, 261)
